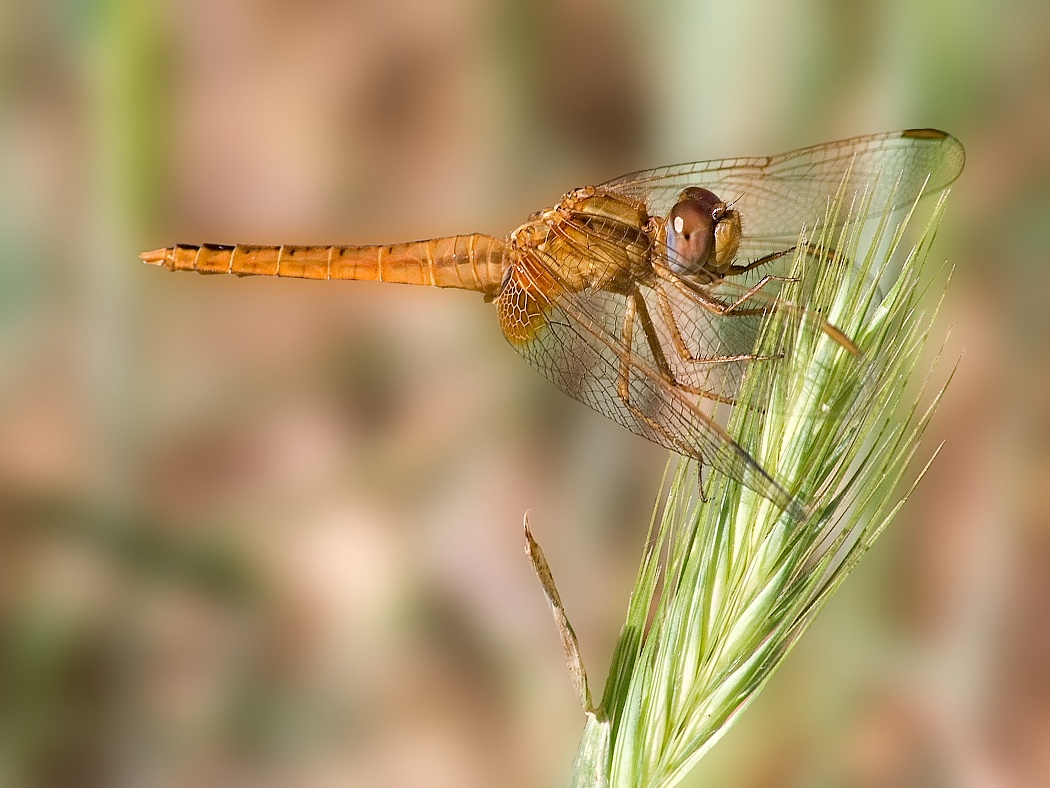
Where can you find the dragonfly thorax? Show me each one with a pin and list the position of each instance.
(591, 239)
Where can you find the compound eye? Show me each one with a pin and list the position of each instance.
(690, 236)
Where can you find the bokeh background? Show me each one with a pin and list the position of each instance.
(267, 532)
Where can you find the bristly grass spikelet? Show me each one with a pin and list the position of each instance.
(726, 587)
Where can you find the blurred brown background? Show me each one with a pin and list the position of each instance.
(263, 532)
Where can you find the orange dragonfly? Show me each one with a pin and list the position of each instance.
(640, 297)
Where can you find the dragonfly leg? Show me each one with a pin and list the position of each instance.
(700, 483)
(712, 303)
(734, 270)
(757, 288)
(623, 380)
(636, 309)
(826, 254)
(704, 298)
(684, 351)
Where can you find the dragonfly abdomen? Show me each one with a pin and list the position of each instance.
(468, 262)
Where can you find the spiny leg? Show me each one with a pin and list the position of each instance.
(636, 309)
(685, 353)
(700, 480)
(651, 338)
(735, 270)
(713, 304)
(755, 290)
(720, 307)
(827, 255)
(815, 251)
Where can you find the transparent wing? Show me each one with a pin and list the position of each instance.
(777, 195)
(587, 345)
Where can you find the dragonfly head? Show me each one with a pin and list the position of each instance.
(703, 233)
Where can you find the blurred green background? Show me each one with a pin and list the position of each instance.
(264, 532)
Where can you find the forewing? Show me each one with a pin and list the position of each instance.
(777, 195)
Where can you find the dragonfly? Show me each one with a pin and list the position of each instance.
(642, 296)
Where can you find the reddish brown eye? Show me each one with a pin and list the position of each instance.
(690, 235)
(706, 198)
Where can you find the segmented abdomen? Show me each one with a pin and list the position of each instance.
(468, 262)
